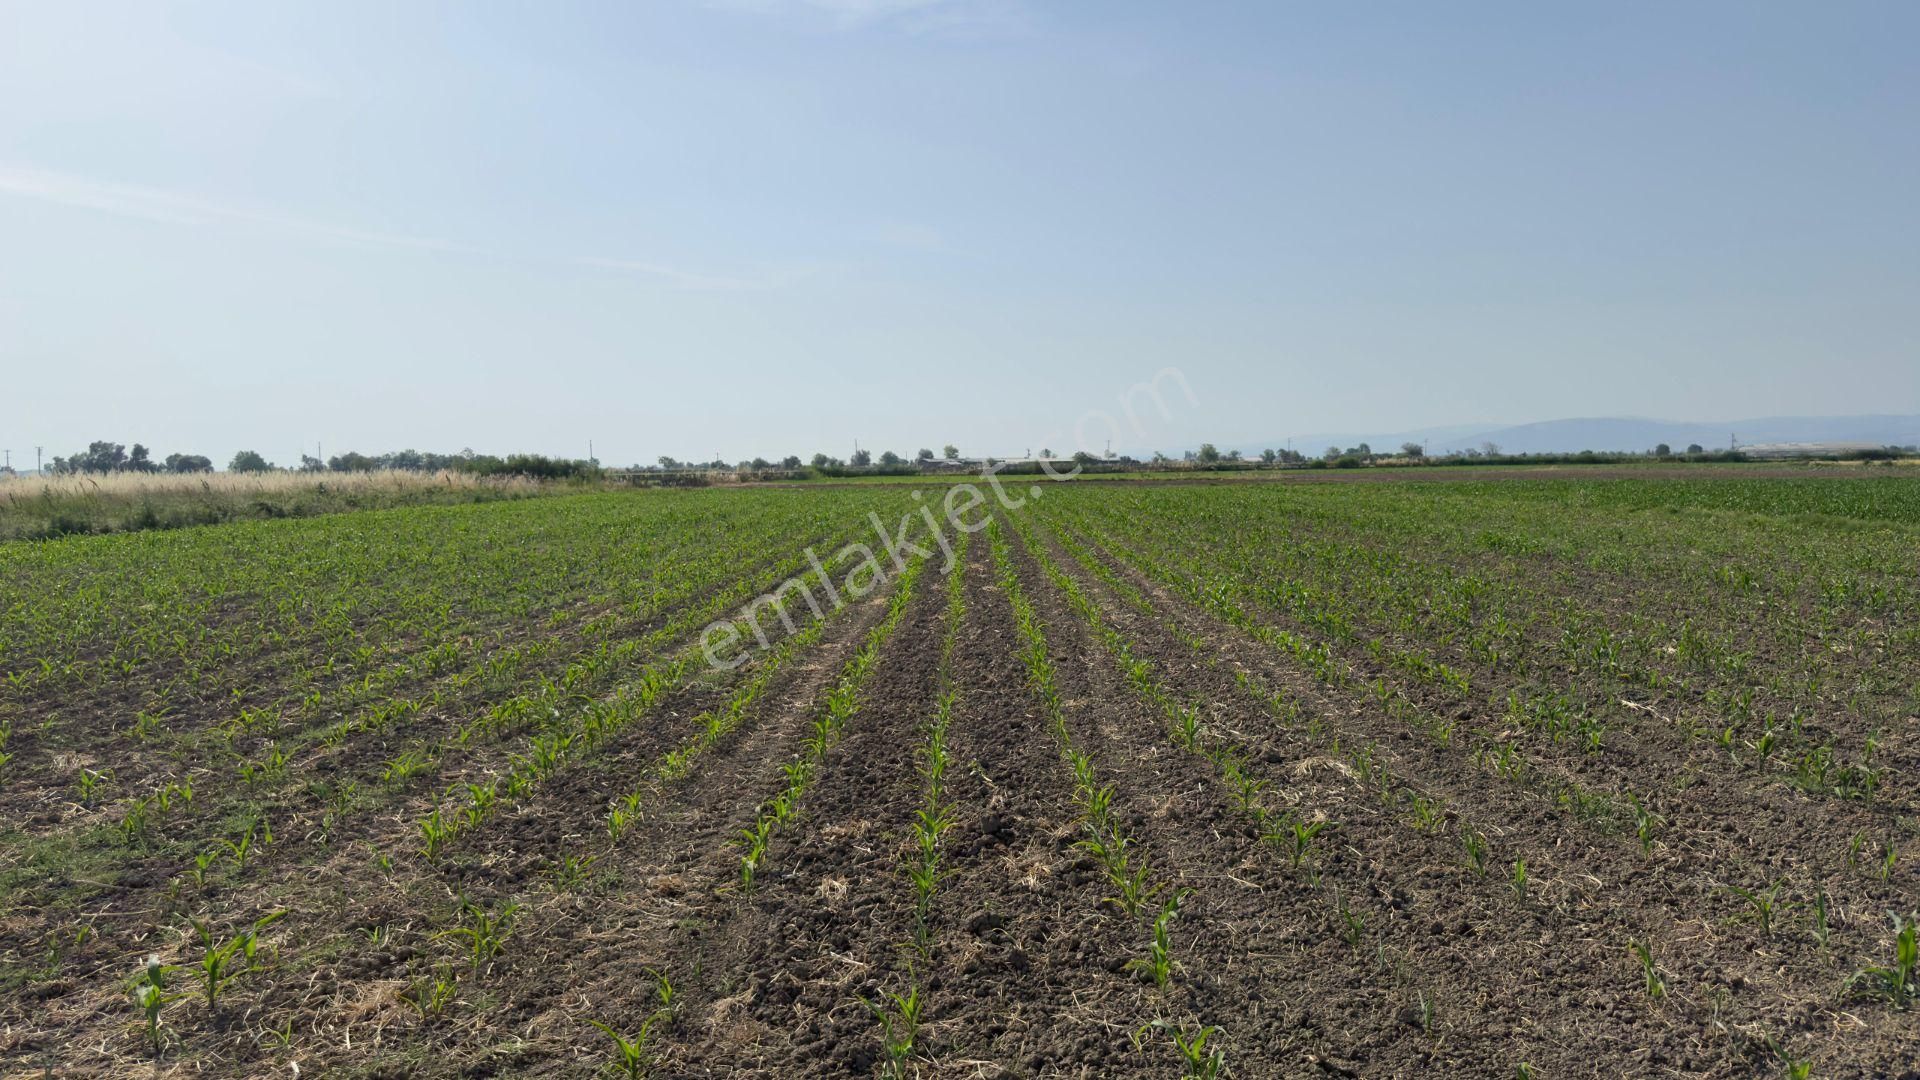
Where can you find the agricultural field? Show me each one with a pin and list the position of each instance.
(1515, 777)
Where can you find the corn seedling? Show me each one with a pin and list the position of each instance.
(436, 832)
(1761, 904)
(201, 863)
(1476, 846)
(220, 964)
(149, 992)
(431, 998)
(485, 932)
(1426, 812)
(1186, 728)
(1246, 790)
(1157, 965)
(1131, 880)
(663, 991)
(569, 872)
(1644, 823)
(1352, 925)
(1519, 879)
(1301, 835)
(1656, 985)
(88, 784)
(1896, 982)
(899, 1027)
(755, 840)
(403, 766)
(1198, 1061)
(280, 1038)
(630, 1055)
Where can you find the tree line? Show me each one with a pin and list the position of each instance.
(105, 456)
(860, 459)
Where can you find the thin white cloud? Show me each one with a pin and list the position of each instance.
(167, 207)
(907, 234)
(703, 281)
(955, 18)
(687, 279)
(171, 208)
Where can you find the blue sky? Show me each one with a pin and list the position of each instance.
(773, 226)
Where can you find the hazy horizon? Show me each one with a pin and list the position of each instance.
(763, 227)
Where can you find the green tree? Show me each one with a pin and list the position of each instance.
(791, 461)
(1268, 456)
(861, 459)
(99, 457)
(1209, 454)
(924, 455)
(250, 462)
(1663, 450)
(1413, 450)
(187, 463)
(888, 457)
(950, 452)
(821, 461)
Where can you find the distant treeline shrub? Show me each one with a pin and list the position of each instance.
(105, 456)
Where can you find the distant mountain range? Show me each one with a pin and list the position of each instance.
(1623, 434)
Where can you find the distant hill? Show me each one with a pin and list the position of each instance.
(1626, 434)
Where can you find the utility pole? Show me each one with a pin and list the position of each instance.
(589, 451)
(9, 454)
(36, 461)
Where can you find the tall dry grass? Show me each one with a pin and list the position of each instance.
(40, 507)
